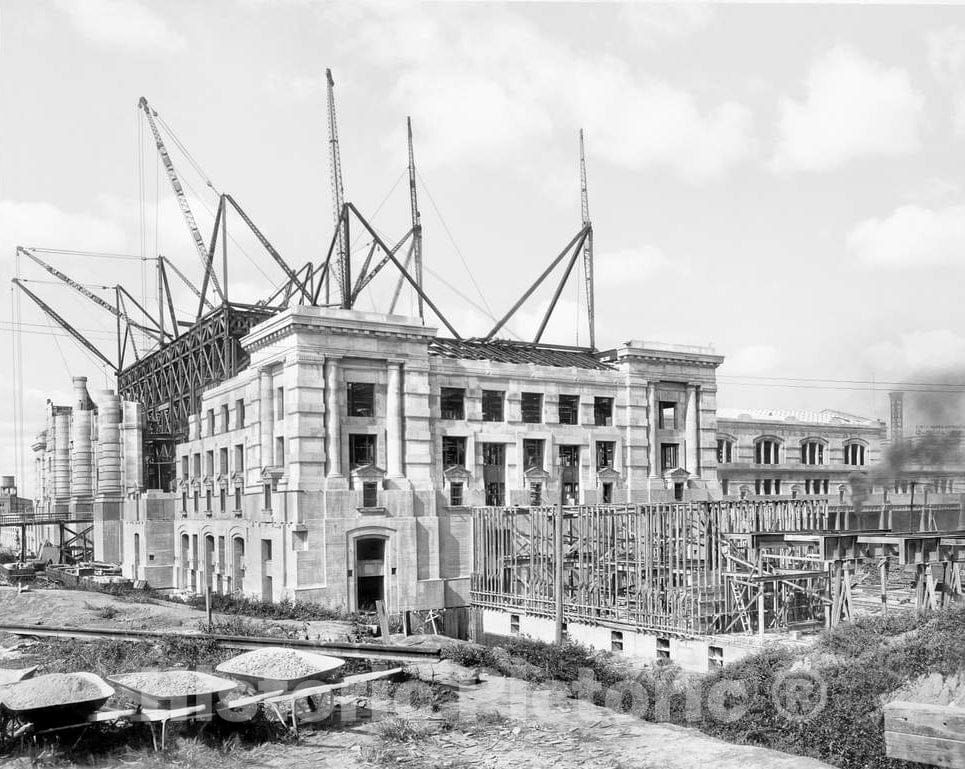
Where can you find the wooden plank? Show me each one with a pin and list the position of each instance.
(933, 751)
(311, 691)
(383, 620)
(925, 719)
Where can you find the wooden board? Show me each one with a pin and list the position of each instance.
(926, 733)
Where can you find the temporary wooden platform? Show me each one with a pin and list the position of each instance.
(925, 733)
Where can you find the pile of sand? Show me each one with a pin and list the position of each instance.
(48, 690)
(171, 683)
(279, 664)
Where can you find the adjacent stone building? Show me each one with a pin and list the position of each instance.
(774, 452)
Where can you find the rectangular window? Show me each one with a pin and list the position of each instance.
(616, 640)
(514, 624)
(225, 421)
(223, 460)
(455, 494)
(854, 454)
(532, 453)
(279, 451)
(361, 399)
(536, 493)
(370, 494)
(605, 454)
(668, 415)
(238, 498)
(607, 493)
(492, 405)
(197, 500)
(184, 501)
(184, 467)
(267, 496)
(715, 657)
(724, 486)
(812, 453)
(495, 493)
(767, 452)
(569, 456)
(239, 457)
(668, 456)
(197, 465)
(209, 463)
(210, 421)
(452, 403)
(361, 450)
(223, 499)
(569, 409)
(207, 501)
(453, 451)
(603, 412)
(725, 452)
(531, 407)
(280, 403)
(240, 412)
(663, 648)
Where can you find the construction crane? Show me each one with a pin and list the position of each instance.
(184, 279)
(587, 245)
(416, 221)
(342, 269)
(179, 194)
(83, 290)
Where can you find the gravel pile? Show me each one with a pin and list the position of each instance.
(171, 683)
(49, 690)
(276, 665)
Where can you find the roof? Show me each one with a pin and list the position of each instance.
(823, 417)
(506, 351)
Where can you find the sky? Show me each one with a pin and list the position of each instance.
(782, 182)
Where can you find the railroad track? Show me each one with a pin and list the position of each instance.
(367, 651)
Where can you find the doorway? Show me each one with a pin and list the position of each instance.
(369, 572)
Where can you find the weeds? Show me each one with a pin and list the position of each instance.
(103, 612)
(401, 730)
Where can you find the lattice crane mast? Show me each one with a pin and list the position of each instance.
(342, 269)
(416, 219)
(179, 194)
(587, 245)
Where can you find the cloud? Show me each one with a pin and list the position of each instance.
(912, 236)
(495, 84)
(28, 223)
(753, 359)
(654, 23)
(939, 349)
(946, 58)
(124, 24)
(854, 107)
(632, 265)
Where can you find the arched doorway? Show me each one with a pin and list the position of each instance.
(369, 572)
(237, 564)
(185, 561)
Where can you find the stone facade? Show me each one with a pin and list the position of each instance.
(794, 453)
(340, 466)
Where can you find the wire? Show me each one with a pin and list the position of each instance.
(840, 381)
(924, 389)
(92, 254)
(454, 244)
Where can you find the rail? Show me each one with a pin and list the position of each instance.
(391, 652)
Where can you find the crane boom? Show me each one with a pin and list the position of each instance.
(184, 279)
(587, 245)
(80, 288)
(341, 271)
(179, 193)
(416, 219)
(63, 323)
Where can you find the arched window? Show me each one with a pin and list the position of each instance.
(812, 452)
(725, 451)
(854, 453)
(767, 451)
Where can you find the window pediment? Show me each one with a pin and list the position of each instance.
(676, 474)
(368, 473)
(457, 473)
(271, 474)
(608, 474)
(535, 474)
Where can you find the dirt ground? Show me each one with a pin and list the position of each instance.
(79, 608)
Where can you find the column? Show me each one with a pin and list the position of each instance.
(691, 432)
(654, 451)
(266, 416)
(333, 426)
(393, 421)
(62, 458)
